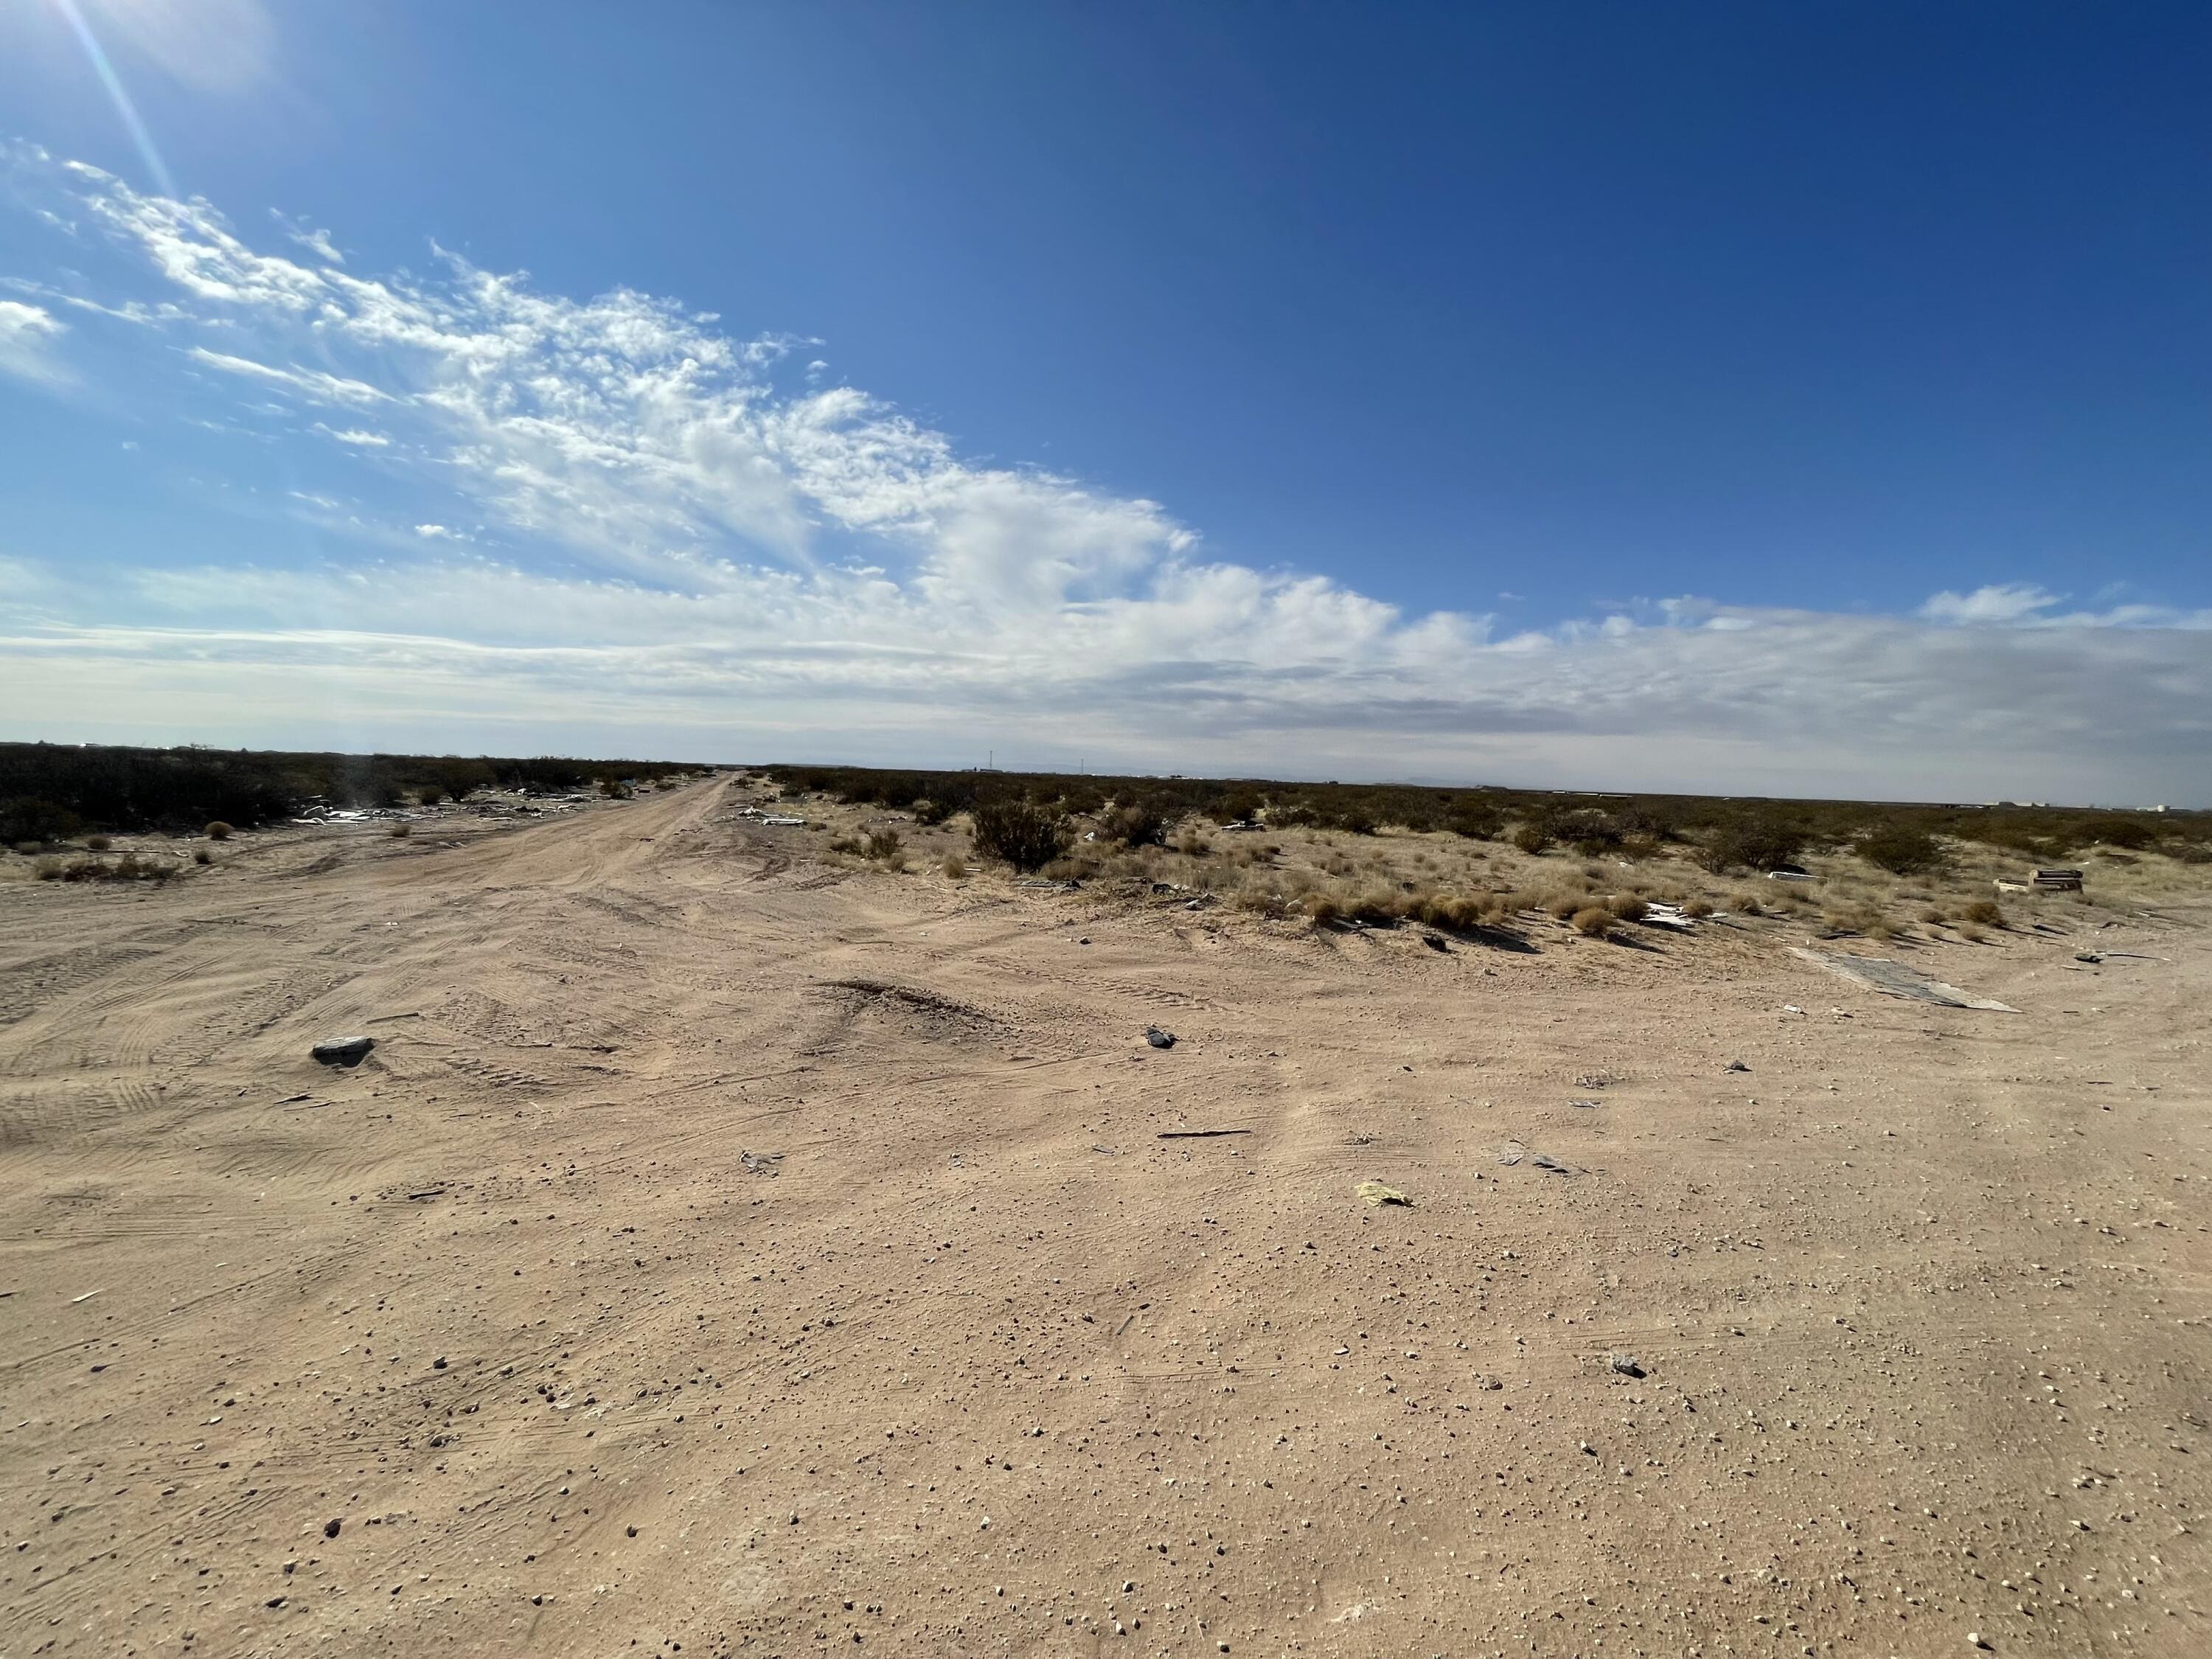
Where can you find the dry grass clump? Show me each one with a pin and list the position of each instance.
(1864, 919)
(98, 843)
(1697, 907)
(218, 830)
(1628, 907)
(401, 830)
(954, 866)
(1987, 912)
(1593, 921)
(201, 855)
(884, 847)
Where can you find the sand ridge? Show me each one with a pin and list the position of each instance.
(725, 1248)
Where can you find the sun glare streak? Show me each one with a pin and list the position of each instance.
(124, 106)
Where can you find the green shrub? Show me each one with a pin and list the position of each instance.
(1135, 824)
(1531, 837)
(1014, 832)
(38, 822)
(929, 811)
(1475, 818)
(2130, 833)
(1760, 840)
(1900, 849)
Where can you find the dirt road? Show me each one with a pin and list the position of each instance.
(725, 1251)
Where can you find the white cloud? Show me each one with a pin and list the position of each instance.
(29, 334)
(711, 554)
(314, 384)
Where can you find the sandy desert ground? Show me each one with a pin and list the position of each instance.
(724, 1250)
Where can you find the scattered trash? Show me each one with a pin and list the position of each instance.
(1051, 886)
(1108, 1151)
(427, 1192)
(87, 1297)
(2004, 887)
(1791, 1008)
(1585, 1104)
(1203, 901)
(1378, 1194)
(1596, 1080)
(781, 821)
(2089, 956)
(1735, 1066)
(1895, 979)
(1787, 875)
(1158, 1038)
(1625, 1364)
(344, 1051)
(1669, 915)
(1199, 1134)
(2056, 881)
(762, 1164)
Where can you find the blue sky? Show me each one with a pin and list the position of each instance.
(1805, 399)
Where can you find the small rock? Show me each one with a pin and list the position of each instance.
(1625, 1364)
(342, 1051)
(330, 1528)
(1735, 1066)
(1158, 1038)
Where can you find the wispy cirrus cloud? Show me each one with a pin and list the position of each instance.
(29, 337)
(676, 530)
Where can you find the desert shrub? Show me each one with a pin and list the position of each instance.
(1593, 921)
(1014, 832)
(954, 866)
(38, 822)
(1697, 907)
(1475, 818)
(1291, 815)
(614, 789)
(2130, 833)
(1626, 907)
(1531, 837)
(129, 867)
(883, 845)
(48, 869)
(98, 843)
(430, 794)
(1970, 933)
(930, 811)
(1987, 912)
(1135, 824)
(201, 855)
(1238, 807)
(1193, 844)
(2188, 852)
(401, 830)
(1760, 840)
(1900, 849)
(218, 830)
